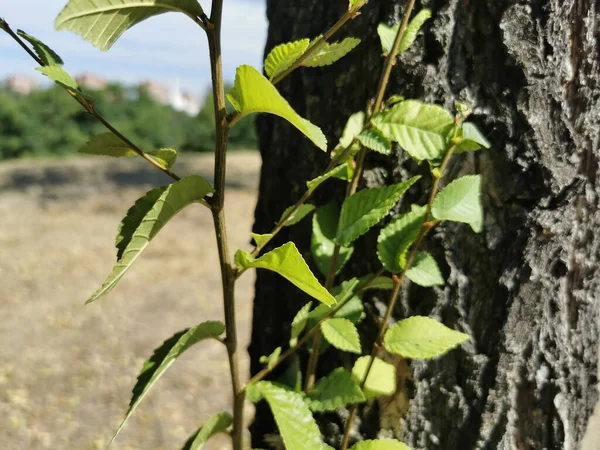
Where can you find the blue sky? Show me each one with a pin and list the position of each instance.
(164, 48)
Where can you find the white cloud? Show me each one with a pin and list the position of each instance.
(164, 48)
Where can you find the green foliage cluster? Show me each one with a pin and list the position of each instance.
(428, 133)
(48, 123)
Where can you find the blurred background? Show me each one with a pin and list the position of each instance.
(66, 371)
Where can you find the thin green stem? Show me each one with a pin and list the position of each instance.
(213, 31)
(93, 112)
(425, 227)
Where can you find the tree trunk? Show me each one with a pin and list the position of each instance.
(527, 289)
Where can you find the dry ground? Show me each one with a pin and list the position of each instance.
(66, 370)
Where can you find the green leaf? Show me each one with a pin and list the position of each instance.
(385, 283)
(352, 310)
(253, 93)
(107, 144)
(381, 380)
(174, 198)
(460, 202)
(342, 172)
(261, 239)
(163, 357)
(134, 218)
(271, 359)
(334, 391)
(375, 140)
(380, 444)
(45, 53)
(59, 76)
(303, 211)
(420, 337)
(292, 376)
(387, 34)
(299, 323)
(322, 245)
(283, 56)
(329, 53)
(420, 129)
(165, 156)
(342, 334)
(354, 126)
(355, 5)
(102, 22)
(424, 271)
(366, 208)
(472, 139)
(216, 424)
(296, 424)
(396, 238)
(289, 263)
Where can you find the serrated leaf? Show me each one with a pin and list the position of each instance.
(59, 76)
(380, 444)
(134, 218)
(271, 359)
(397, 237)
(289, 263)
(381, 282)
(460, 202)
(295, 422)
(165, 156)
(174, 198)
(102, 22)
(299, 323)
(342, 334)
(303, 211)
(366, 208)
(354, 126)
(322, 245)
(260, 239)
(329, 53)
(283, 56)
(342, 172)
(352, 310)
(387, 34)
(163, 357)
(381, 380)
(216, 424)
(472, 139)
(253, 93)
(420, 337)
(375, 140)
(419, 128)
(424, 271)
(334, 391)
(107, 144)
(45, 53)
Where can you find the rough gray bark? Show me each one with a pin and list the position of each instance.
(527, 289)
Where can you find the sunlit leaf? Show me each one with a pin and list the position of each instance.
(163, 357)
(271, 359)
(381, 379)
(174, 198)
(419, 128)
(253, 93)
(299, 323)
(329, 53)
(300, 213)
(216, 424)
(366, 208)
(289, 263)
(334, 391)
(460, 202)
(387, 34)
(342, 334)
(102, 22)
(354, 126)
(375, 140)
(165, 156)
(107, 144)
(59, 76)
(322, 245)
(420, 337)
(342, 172)
(472, 139)
(45, 53)
(380, 444)
(261, 239)
(424, 271)
(295, 422)
(283, 56)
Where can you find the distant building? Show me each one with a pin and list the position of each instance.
(92, 82)
(184, 101)
(22, 84)
(157, 92)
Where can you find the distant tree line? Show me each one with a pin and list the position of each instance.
(48, 122)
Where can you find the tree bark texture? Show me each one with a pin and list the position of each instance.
(527, 289)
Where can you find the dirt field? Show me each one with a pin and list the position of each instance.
(66, 370)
